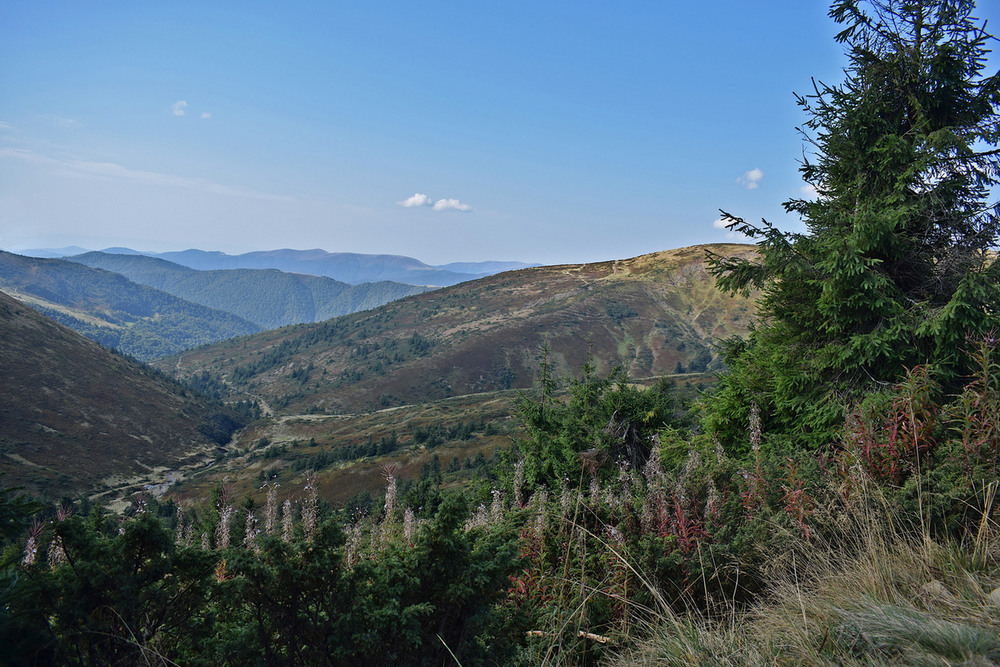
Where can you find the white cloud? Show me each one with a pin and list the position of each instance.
(446, 204)
(5, 126)
(205, 114)
(178, 107)
(417, 199)
(751, 179)
(451, 205)
(720, 223)
(809, 191)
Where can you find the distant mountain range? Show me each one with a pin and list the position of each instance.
(347, 267)
(267, 297)
(109, 308)
(74, 416)
(149, 308)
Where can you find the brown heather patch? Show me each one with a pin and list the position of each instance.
(76, 418)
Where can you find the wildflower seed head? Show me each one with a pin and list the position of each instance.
(409, 525)
(57, 555)
(271, 509)
(286, 520)
(222, 529)
(754, 427)
(518, 482)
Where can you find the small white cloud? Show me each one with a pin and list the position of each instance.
(446, 204)
(205, 114)
(451, 205)
(809, 191)
(751, 179)
(416, 200)
(5, 126)
(178, 107)
(720, 223)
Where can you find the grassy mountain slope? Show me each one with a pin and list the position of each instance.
(267, 297)
(75, 417)
(116, 312)
(654, 315)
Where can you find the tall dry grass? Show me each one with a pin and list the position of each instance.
(881, 593)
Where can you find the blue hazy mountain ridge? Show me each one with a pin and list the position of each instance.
(483, 269)
(107, 307)
(353, 268)
(348, 267)
(270, 298)
(52, 253)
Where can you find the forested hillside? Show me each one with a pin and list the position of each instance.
(140, 321)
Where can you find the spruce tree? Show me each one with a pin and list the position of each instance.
(897, 266)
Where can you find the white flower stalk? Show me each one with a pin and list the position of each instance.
(352, 549)
(57, 555)
(754, 427)
(409, 525)
(479, 519)
(389, 472)
(250, 536)
(179, 532)
(518, 483)
(286, 521)
(496, 507)
(271, 509)
(310, 507)
(31, 547)
(222, 528)
(595, 489)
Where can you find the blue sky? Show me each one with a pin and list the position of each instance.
(448, 131)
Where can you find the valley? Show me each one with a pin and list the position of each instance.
(76, 418)
(431, 363)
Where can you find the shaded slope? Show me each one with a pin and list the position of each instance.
(75, 417)
(267, 297)
(656, 314)
(138, 320)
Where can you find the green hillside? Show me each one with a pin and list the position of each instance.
(137, 320)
